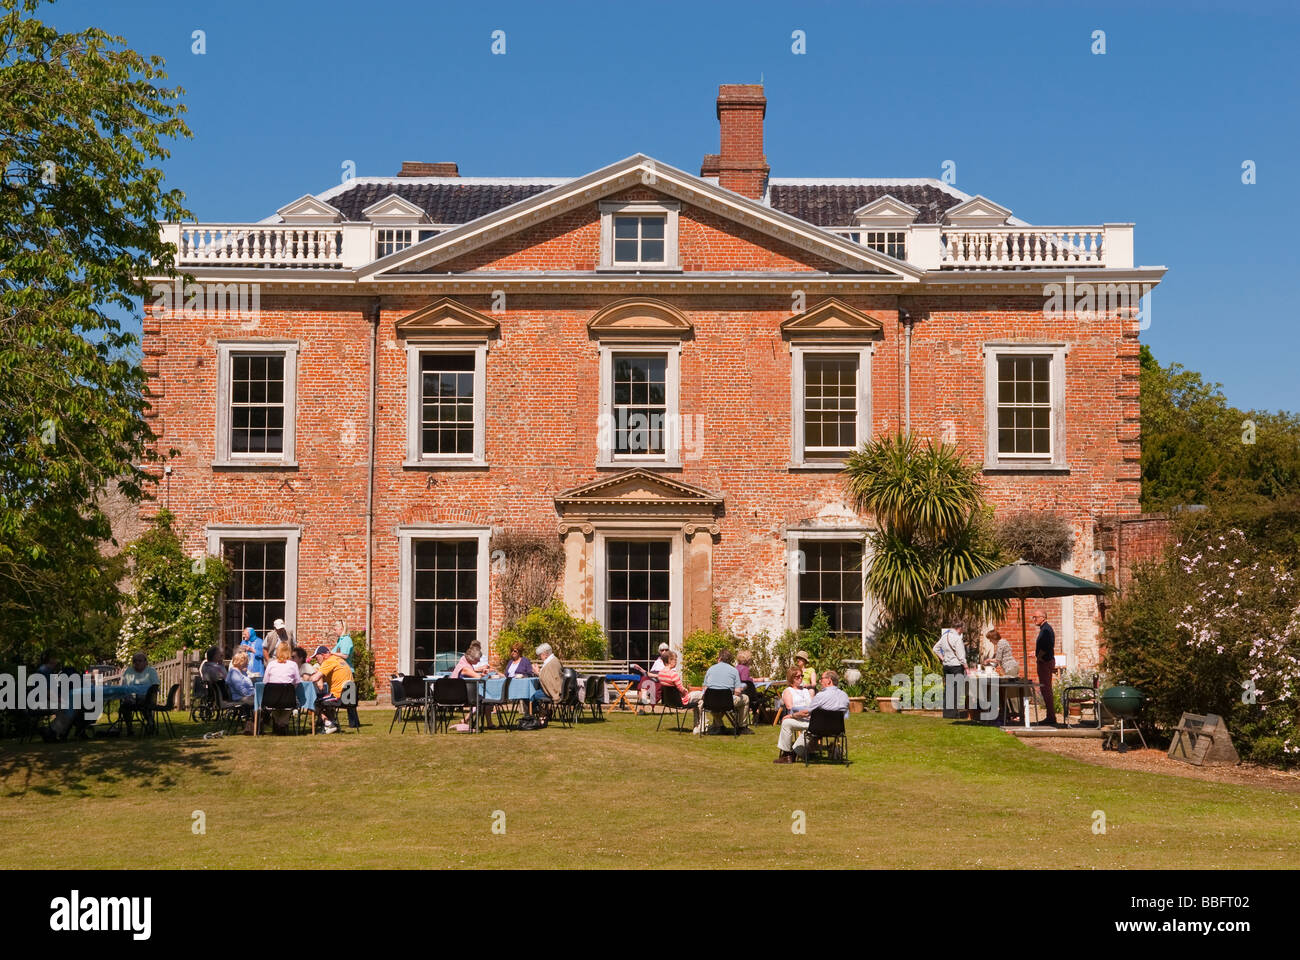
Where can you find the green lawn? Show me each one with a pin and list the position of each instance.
(920, 792)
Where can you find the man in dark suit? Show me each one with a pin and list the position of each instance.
(1045, 654)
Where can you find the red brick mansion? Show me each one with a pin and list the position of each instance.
(663, 370)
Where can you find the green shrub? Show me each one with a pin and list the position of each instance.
(1269, 750)
(828, 650)
(570, 637)
(363, 665)
(700, 651)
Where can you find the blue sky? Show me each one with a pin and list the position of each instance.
(1154, 131)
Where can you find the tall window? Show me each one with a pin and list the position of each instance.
(257, 403)
(830, 579)
(445, 595)
(638, 605)
(830, 406)
(640, 412)
(447, 403)
(1024, 406)
(639, 239)
(446, 410)
(255, 594)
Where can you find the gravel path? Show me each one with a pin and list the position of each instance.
(1155, 761)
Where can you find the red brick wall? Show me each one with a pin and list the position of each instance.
(542, 386)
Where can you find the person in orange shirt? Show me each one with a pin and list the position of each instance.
(334, 675)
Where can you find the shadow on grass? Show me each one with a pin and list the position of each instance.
(95, 767)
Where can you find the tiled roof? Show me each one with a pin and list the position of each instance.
(829, 204)
(825, 203)
(445, 202)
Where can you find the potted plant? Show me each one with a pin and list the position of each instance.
(857, 696)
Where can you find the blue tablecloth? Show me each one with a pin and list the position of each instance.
(120, 691)
(492, 688)
(306, 695)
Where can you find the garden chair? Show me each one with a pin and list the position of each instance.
(566, 708)
(450, 698)
(232, 711)
(409, 702)
(826, 731)
(282, 696)
(164, 711)
(719, 701)
(595, 698)
(670, 698)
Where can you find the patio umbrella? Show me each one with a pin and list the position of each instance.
(1020, 580)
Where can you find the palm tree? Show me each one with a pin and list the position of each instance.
(934, 531)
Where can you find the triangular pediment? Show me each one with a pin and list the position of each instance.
(833, 320)
(395, 209)
(639, 316)
(447, 318)
(886, 211)
(637, 493)
(978, 211)
(639, 171)
(308, 209)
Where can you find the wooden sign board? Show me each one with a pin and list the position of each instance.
(1202, 739)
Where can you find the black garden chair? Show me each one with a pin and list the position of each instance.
(670, 698)
(826, 734)
(717, 700)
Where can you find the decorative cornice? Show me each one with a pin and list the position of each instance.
(446, 318)
(639, 316)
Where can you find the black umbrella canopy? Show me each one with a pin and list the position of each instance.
(1024, 579)
(1020, 580)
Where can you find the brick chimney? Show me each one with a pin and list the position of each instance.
(740, 166)
(415, 168)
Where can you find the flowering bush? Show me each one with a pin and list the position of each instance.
(174, 598)
(1214, 628)
(1246, 611)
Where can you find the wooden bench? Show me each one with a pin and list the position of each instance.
(586, 668)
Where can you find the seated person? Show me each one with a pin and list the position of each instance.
(795, 696)
(516, 664)
(670, 676)
(722, 676)
(467, 666)
(654, 667)
(802, 659)
(551, 675)
(139, 674)
(240, 685)
(283, 669)
(307, 672)
(213, 669)
(830, 697)
(65, 713)
(335, 674)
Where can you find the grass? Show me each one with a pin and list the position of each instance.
(920, 792)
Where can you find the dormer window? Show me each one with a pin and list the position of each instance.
(638, 236)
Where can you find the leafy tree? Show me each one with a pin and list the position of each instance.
(1197, 448)
(82, 123)
(935, 531)
(175, 599)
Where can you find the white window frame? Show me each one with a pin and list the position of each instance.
(798, 353)
(291, 533)
(407, 534)
(671, 457)
(226, 350)
(669, 209)
(1054, 461)
(855, 534)
(676, 562)
(415, 457)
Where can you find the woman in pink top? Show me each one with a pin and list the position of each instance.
(467, 665)
(283, 669)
